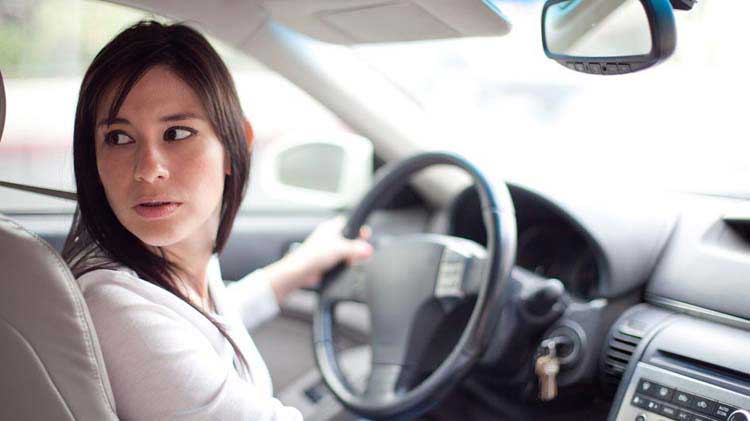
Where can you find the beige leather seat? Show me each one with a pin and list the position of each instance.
(52, 367)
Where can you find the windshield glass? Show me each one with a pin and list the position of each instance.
(679, 125)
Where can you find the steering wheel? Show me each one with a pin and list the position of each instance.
(407, 285)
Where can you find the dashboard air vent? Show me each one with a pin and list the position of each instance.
(622, 344)
(623, 339)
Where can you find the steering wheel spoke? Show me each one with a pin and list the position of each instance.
(383, 382)
(348, 284)
(476, 268)
(461, 270)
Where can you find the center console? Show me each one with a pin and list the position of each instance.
(670, 399)
(689, 369)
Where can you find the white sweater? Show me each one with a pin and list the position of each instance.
(166, 361)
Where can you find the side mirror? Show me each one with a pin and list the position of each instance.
(608, 37)
(332, 171)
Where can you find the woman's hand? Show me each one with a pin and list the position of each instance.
(320, 252)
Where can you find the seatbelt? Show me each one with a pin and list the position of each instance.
(40, 190)
(33, 189)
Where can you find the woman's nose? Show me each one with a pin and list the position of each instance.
(150, 164)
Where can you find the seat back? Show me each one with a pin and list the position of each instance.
(52, 367)
(52, 364)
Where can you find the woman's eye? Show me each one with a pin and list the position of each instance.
(117, 138)
(178, 133)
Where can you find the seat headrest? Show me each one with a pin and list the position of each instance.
(2, 106)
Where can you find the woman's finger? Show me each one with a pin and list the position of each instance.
(358, 250)
(365, 232)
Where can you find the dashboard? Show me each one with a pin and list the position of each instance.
(549, 244)
(660, 290)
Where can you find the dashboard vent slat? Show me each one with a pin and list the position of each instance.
(620, 348)
(623, 339)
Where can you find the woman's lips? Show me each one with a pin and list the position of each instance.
(157, 210)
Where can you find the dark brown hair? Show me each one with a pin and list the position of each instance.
(97, 239)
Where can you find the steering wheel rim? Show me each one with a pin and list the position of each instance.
(499, 220)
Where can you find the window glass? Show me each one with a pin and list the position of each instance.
(45, 48)
(678, 126)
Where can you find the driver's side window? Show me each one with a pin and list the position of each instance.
(47, 46)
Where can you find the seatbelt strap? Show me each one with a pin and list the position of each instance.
(40, 190)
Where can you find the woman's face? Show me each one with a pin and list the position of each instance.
(161, 163)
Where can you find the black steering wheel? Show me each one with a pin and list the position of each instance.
(406, 285)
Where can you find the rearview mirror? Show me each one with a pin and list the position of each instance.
(608, 37)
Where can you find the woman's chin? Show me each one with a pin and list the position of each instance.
(159, 236)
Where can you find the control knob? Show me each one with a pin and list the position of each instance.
(740, 415)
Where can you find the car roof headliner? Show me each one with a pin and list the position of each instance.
(344, 22)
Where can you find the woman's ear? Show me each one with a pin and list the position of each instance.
(249, 134)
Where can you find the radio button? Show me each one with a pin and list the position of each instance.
(647, 387)
(722, 411)
(640, 402)
(653, 406)
(664, 393)
(681, 398)
(703, 405)
(698, 418)
(669, 411)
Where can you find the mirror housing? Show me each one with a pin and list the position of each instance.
(2, 105)
(566, 24)
(327, 171)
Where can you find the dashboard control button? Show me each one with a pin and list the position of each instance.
(703, 405)
(684, 416)
(653, 406)
(669, 411)
(698, 418)
(664, 393)
(722, 411)
(595, 68)
(640, 402)
(579, 67)
(681, 398)
(641, 417)
(740, 415)
(646, 387)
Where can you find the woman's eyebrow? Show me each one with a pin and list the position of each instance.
(180, 116)
(171, 117)
(109, 122)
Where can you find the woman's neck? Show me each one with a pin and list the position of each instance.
(192, 256)
(193, 271)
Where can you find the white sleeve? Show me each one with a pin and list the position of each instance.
(254, 298)
(162, 367)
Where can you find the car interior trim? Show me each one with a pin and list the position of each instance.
(697, 311)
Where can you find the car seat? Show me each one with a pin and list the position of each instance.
(52, 364)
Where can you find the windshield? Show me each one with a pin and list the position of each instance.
(680, 125)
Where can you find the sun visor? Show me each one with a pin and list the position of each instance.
(2, 106)
(376, 21)
(232, 21)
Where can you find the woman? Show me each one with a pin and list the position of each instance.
(161, 163)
